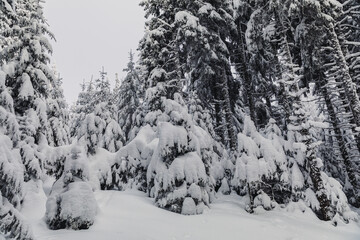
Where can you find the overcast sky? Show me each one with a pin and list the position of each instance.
(91, 34)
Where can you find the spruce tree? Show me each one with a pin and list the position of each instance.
(323, 62)
(177, 176)
(82, 107)
(58, 116)
(99, 127)
(12, 225)
(71, 203)
(29, 80)
(128, 98)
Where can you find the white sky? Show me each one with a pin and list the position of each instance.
(91, 34)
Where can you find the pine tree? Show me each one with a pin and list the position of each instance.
(323, 57)
(240, 55)
(261, 170)
(128, 98)
(7, 17)
(180, 144)
(303, 140)
(30, 79)
(348, 24)
(12, 224)
(82, 107)
(204, 27)
(11, 170)
(71, 203)
(99, 127)
(58, 116)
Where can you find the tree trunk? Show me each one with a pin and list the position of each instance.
(240, 59)
(350, 88)
(339, 138)
(315, 175)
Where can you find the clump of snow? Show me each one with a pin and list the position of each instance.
(188, 207)
(263, 200)
(26, 89)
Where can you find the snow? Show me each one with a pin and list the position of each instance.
(71, 206)
(2, 78)
(11, 175)
(41, 77)
(36, 46)
(188, 167)
(189, 207)
(297, 177)
(122, 213)
(25, 57)
(26, 89)
(170, 137)
(76, 202)
(190, 20)
(206, 8)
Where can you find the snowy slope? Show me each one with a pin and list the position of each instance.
(131, 215)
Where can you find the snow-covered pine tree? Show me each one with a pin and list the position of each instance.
(6, 18)
(299, 124)
(350, 37)
(204, 27)
(99, 128)
(177, 176)
(12, 225)
(328, 21)
(29, 78)
(240, 55)
(58, 115)
(72, 203)
(261, 170)
(129, 98)
(309, 182)
(344, 139)
(102, 88)
(178, 173)
(82, 107)
(261, 57)
(319, 57)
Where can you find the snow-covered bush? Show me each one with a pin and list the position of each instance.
(71, 203)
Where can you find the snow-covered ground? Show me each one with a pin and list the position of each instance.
(131, 215)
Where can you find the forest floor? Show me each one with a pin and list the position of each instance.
(130, 215)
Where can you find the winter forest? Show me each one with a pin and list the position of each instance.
(253, 101)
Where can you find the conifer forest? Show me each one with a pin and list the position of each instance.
(231, 110)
